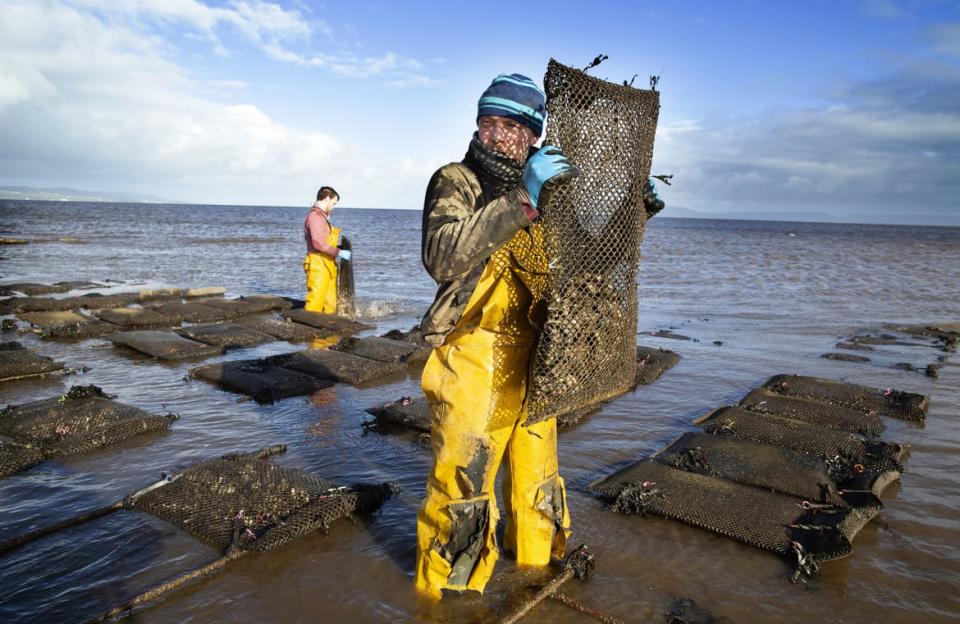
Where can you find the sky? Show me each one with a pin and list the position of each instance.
(842, 110)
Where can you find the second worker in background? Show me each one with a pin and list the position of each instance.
(320, 263)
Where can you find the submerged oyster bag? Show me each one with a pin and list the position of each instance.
(79, 421)
(845, 448)
(406, 411)
(259, 380)
(773, 468)
(240, 503)
(592, 227)
(376, 348)
(17, 362)
(165, 345)
(754, 516)
(226, 335)
(813, 412)
(885, 402)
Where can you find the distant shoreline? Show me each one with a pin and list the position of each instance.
(685, 216)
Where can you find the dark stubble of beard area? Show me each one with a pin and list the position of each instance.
(498, 150)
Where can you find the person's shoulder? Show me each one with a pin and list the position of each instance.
(456, 171)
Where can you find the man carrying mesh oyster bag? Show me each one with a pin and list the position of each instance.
(481, 245)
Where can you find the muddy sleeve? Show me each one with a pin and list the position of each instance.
(457, 238)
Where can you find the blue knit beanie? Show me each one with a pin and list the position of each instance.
(517, 97)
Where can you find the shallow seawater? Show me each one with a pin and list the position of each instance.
(775, 295)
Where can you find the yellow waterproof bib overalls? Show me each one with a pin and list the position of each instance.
(321, 272)
(476, 383)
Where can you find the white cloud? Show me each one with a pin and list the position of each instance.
(94, 103)
(267, 25)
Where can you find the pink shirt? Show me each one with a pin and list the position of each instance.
(316, 229)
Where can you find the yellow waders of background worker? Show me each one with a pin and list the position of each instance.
(321, 272)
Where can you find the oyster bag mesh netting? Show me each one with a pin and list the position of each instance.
(253, 504)
(593, 226)
(760, 518)
(81, 420)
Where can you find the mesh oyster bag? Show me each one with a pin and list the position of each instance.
(405, 411)
(17, 362)
(850, 451)
(773, 468)
(83, 419)
(258, 379)
(376, 348)
(240, 503)
(593, 227)
(887, 402)
(813, 412)
(226, 335)
(247, 502)
(761, 518)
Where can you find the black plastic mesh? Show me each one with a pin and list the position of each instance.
(15, 457)
(44, 289)
(51, 320)
(336, 366)
(261, 381)
(376, 348)
(133, 317)
(17, 362)
(43, 304)
(81, 420)
(767, 520)
(846, 449)
(177, 312)
(887, 402)
(814, 412)
(282, 329)
(593, 227)
(652, 363)
(769, 467)
(225, 335)
(253, 304)
(415, 336)
(336, 325)
(164, 345)
(80, 331)
(406, 411)
(252, 504)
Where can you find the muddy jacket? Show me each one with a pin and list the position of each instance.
(460, 232)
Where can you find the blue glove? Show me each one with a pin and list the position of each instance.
(547, 164)
(344, 254)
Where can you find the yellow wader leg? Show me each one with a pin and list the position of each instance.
(535, 499)
(330, 303)
(473, 418)
(321, 283)
(476, 384)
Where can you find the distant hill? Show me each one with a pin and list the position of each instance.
(679, 212)
(62, 193)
